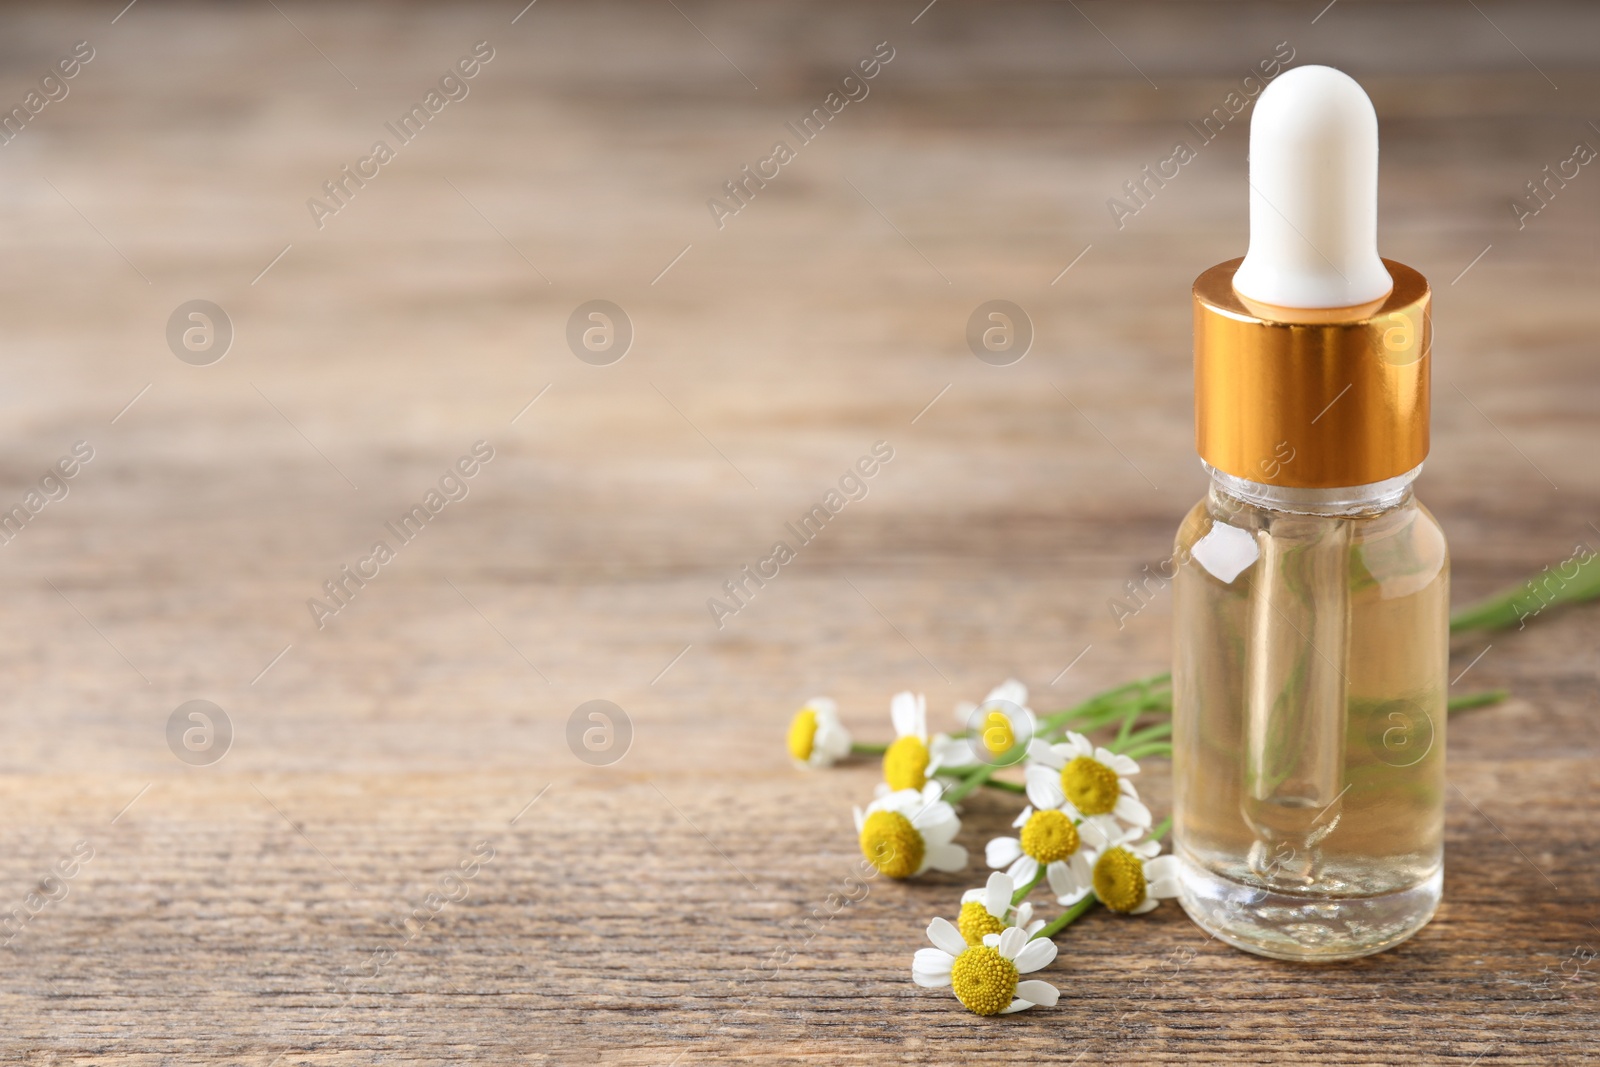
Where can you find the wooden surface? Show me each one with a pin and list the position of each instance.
(631, 913)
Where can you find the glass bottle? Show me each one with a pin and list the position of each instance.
(1309, 692)
(1312, 590)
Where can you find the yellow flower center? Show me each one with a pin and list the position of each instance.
(1048, 836)
(802, 734)
(976, 921)
(892, 844)
(998, 736)
(1119, 880)
(1090, 785)
(984, 980)
(905, 763)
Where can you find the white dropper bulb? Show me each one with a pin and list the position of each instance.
(1313, 194)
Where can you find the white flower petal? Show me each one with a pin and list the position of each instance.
(997, 894)
(938, 832)
(1077, 745)
(930, 967)
(1127, 789)
(945, 858)
(1035, 954)
(1002, 851)
(1033, 721)
(1015, 1006)
(1013, 941)
(901, 709)
(1162, 888)
(943, 933)
(1044, 754)
(1022, 820)
(1145, 850)
(1161, 867)
(903, 713)
(1044, 787)
(1125, 765)
(1023, 870)
(946, 754)
(861, 819)
(1065, 879)
(1041, 993)
(1092, 834)
(1024, 913)
(1033, 927)
(1132, 811)
(1067, 900)
(832, 741)
(1148, 905)
(1106, 826)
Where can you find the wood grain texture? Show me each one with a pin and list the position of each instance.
(247, 911)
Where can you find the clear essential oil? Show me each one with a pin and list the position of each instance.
(1309, 751)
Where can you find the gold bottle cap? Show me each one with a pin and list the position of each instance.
(1312, 399)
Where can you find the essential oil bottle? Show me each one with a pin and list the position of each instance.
(1312, 603)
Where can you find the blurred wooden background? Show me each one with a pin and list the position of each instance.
(237, 912)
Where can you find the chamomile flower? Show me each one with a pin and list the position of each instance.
(905, 763)
(987, 978)
(1056, 839)
(1094, 781)
(1004, 720)
(910, 830)
(989, 911)
(1129, 875)
(816, 737)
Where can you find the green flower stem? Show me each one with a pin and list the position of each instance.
(1508, 608)
(1102, 708)
(1150, 741)
(1067, 918)
(1154, 748)
(1092, 713)
(860, 748)
(1125, 729)
(1114, 698)
(1022, 894)
(972, 780)
(1512, 607)
(1126, 711)
(1161, 829)
(1477, 700)
(1149, 733)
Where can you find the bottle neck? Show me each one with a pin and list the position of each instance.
(1370, 499)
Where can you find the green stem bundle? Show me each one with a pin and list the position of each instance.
(1124, 704)
(1547, 589)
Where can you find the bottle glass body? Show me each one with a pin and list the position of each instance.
(1309, 703)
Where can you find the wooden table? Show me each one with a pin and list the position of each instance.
(255, 909)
